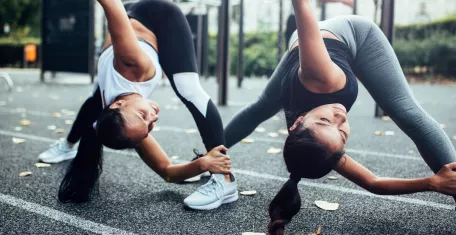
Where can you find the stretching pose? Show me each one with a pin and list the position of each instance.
(315, 84)
(120, 116)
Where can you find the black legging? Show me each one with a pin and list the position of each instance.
(177, 58)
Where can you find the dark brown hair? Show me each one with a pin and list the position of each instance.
(304, 158)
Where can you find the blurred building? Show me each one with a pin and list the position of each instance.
(263, 15)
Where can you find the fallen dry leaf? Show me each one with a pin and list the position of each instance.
(273, 134)
(42, 165)
(18, 140)
(56, 115)
(248, 193)
(283, 132)
(379, 133)
(333, 178)
(69, 122)
(386, 118)
(175, 157)
(51, 127)
(389, 133)
(328, 206)
(247, 141)
(274, 150)
(25, 173)
(260, 129)
(59, 131)
(25, 122)
(191, 131)
(318, 230)
(18, 128)
(252, 233)
(70, 113)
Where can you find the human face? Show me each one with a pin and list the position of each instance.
(329, 125)
(139, 115)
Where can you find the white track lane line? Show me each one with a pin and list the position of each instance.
(61, 216)
(273, 177)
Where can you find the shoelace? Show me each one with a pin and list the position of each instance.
(213, 185)
(198, 154)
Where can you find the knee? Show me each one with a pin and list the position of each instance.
(189, 88)
(412, 119)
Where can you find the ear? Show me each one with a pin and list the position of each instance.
(117, 104)
(297, 123)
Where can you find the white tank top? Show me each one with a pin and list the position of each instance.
(113, 85)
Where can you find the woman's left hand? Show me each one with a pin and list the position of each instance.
(445, 180)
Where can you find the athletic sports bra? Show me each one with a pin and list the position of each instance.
(296, 99)
(113, 85)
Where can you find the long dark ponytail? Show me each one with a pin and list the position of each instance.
(304, 158)
(284, 206)
(84, 171)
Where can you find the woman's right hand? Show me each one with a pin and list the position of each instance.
(216, 162)
(445, 180)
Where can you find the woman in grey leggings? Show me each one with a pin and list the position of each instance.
(315, 84)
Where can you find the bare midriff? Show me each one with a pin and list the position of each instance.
(141, 32)
(323, 33)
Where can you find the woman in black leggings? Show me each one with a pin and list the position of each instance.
(154, 35)
(315, 85)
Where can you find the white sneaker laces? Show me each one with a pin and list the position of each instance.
(213, 185)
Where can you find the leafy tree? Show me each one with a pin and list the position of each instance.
(20, 13)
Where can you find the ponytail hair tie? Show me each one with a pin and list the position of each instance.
(295, 177)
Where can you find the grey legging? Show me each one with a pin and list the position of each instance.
(376, 66)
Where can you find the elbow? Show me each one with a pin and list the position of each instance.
(165, 175)
(373, 187)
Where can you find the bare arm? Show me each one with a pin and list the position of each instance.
(314, 58)
(349, 3)
(361, 176)
(154, 156)
(126, 49)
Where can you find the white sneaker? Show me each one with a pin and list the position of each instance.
(59, 152)
(213, 194)
(198, 177)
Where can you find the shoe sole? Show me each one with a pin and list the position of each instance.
(226, 199)
(59, 159)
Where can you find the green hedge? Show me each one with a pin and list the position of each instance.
(444, 27)
(436, 54)
(260, 53)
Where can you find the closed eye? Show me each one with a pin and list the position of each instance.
(143, 115)
(325, 120)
